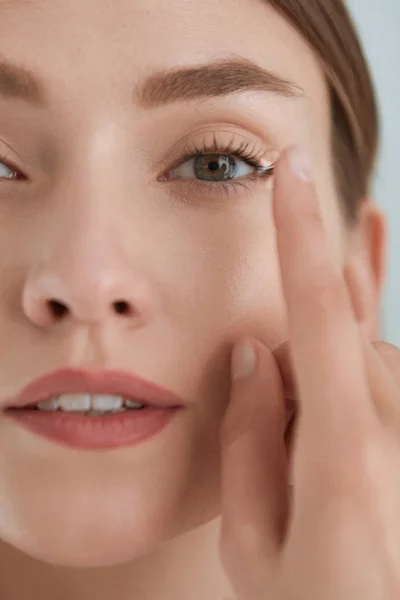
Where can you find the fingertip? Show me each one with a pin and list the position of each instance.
(299, 163)
(244, 359)
(295, 160)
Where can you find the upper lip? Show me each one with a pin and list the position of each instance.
(74, 381)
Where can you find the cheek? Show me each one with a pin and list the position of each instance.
(225, 276)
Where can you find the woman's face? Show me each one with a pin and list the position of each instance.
(102, 201)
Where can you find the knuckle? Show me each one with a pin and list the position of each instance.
(390, 355)
(237, 421)
(327, 294)
(231, 430)
(230, 433)
(386, 348)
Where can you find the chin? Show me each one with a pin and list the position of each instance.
(109, 534)
(91, 509)
(101, 522)
(88, 532)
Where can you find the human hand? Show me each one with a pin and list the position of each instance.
(336, 534)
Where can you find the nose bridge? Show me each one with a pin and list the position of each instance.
(86, 229)
(88, 263)
(84, 252)
(86, 236)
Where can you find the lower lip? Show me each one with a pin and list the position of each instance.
(95, 432)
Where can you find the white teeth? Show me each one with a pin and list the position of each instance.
(51, 404)
(103, 402)
(74, 402)
(132, 404)
(96, 403)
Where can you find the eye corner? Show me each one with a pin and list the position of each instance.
(19, 175)
(163, 177)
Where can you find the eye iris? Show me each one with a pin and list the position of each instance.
(215, 167)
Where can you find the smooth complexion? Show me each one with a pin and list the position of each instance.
(96, 208)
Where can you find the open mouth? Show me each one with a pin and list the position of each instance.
(93, 409)
(86, 404)
(92, 421)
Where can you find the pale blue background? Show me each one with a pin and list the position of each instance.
(379, 25)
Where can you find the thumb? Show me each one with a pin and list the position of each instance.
(254, 465)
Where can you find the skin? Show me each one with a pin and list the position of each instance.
(92, 225)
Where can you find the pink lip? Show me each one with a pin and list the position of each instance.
(70, 381)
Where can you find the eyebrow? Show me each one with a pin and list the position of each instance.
(17, 82)
(218, 78)
(207, 80)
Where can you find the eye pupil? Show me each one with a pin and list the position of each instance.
(215, 167)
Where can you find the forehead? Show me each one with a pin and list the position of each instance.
(123, 39)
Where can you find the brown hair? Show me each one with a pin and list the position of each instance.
(329, 29)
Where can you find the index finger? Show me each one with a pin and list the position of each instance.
(334, 401)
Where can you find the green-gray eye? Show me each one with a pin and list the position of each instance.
(212, 167)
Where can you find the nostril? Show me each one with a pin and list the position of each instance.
(122, 307)
(57, 308)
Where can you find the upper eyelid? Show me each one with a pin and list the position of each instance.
(174, 156)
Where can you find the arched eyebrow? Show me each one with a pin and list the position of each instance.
(207, 80)
(212, 79)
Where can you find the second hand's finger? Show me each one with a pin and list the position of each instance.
(383, 365)
(254, 476)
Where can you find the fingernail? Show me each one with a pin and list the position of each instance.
(244, 359)
(299, 163)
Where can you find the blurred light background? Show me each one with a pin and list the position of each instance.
(379, 28)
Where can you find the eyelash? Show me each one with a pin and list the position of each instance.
(245, 151)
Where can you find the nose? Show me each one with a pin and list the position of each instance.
(87, 284)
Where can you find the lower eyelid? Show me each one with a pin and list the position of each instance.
(193, 191)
